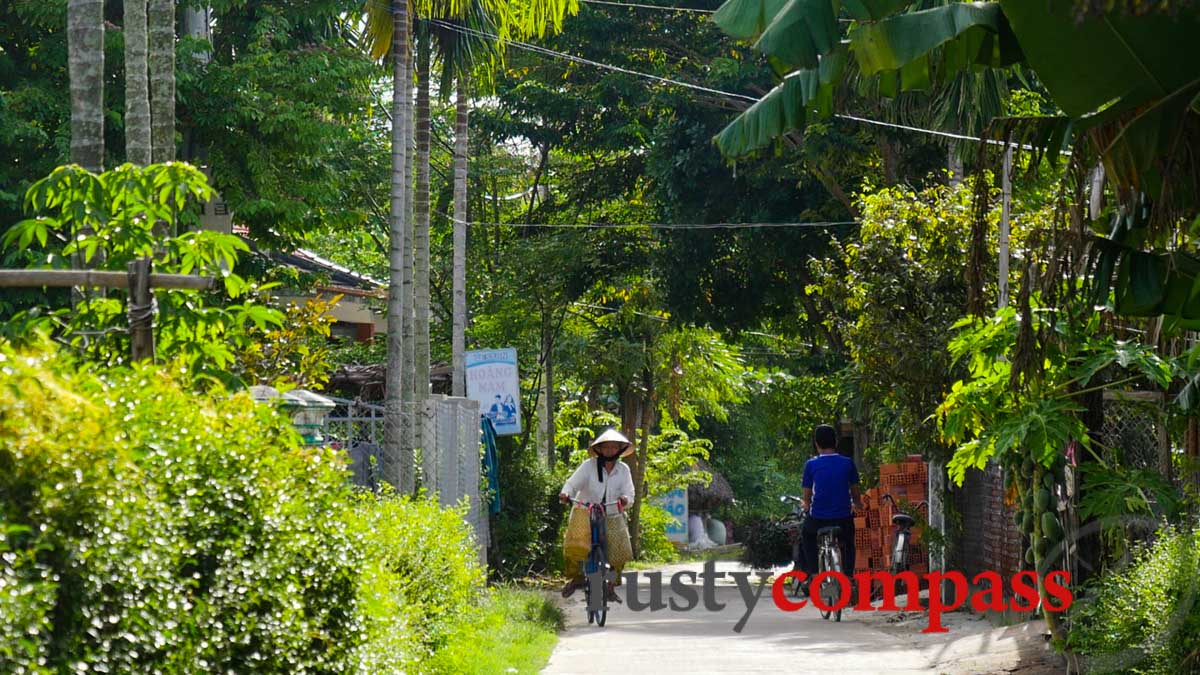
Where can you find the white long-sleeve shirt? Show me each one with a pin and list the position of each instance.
(586, 487)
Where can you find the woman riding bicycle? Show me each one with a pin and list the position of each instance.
(601, 479)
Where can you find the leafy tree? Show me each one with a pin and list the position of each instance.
(899, 288)
(82, 211)
(1028, 415)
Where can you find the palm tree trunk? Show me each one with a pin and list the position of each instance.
(401, 471)
(410, 344)
(137, 84)
(85, 48)
(161, 15)
(421, 235)
(459, 337)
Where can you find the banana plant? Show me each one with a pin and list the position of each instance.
(816, 44)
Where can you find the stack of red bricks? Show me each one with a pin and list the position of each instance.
(874, 535)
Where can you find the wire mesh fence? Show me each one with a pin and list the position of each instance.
(445, 461)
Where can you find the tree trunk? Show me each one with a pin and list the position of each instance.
(137, 84)
(161, 15)
(85, 48)
(640, 488)
(954, 163)
(459, 338)
(548, 388)
(421, 238)
(410, 344)
(401, 470)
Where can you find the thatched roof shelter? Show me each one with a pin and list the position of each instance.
(703, 497)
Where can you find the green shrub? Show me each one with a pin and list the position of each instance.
(656, 546)
(513, 631)
(156, 529)
(1145, 618)
(144, 528)
(524, 532)
(767, 544)
(420, 579)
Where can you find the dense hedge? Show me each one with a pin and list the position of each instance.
(1145, 618)
(145, 528)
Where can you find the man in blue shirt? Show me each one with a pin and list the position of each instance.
(830, 494)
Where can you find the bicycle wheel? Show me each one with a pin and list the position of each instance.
(823, 557)
(836, 557)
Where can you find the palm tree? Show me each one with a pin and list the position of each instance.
(161, 22)
(137, 84)
(421, 233)
(85, 47)
(387, 32)
(462, 107)
(471, 42)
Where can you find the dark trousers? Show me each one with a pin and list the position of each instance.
(809, 534)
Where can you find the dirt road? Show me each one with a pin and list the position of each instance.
(773, 641)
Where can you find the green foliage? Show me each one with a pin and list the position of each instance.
(290, 129)
(1144, 619)
(296, 353)
(1119, 491)
(656, 547)
(898, 287)
(523, 533)
(984, 416)
(118, 216)
(512, 631)
(767, 544)
(200, 530)
(672, 454)
(420, 579)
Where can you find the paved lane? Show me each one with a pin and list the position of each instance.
(773, 641)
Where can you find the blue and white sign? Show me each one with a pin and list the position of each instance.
(493, 380)
(675, 503)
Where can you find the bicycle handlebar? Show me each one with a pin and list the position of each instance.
(917, 507)
(587, 505)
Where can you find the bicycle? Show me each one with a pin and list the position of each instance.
(900, 545)
(598, 574)
(793, 524)
(829, 559)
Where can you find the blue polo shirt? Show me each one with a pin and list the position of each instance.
(830, 477)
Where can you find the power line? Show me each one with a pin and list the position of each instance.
(588, 62)
(728, 94)
(696, 87)
(657, 226)
(659, 7)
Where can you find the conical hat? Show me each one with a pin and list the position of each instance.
(612, 436)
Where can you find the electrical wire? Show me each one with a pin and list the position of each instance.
(657, 226)
(727, 94)
(665, 8)
(696, 87)
(587, 62)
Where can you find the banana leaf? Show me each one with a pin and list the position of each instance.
(873, 10)
(744, 19)
(963, 29)
(1141, 284)
(785, 108)
(1112, 59)
(800, 33)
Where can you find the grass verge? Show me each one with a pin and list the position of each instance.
(513, 632)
